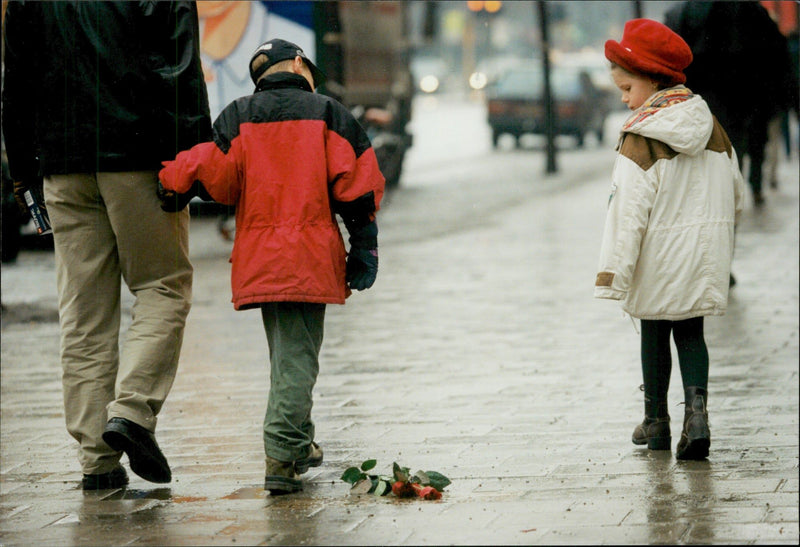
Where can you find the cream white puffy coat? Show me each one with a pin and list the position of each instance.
(676, 194)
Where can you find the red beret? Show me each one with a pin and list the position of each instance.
(648, 47)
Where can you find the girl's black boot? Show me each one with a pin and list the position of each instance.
(696, 435)
(654, 430)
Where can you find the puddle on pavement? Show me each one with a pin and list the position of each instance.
(165, 494)
(188, 499)
(249, 493)
(161, 494)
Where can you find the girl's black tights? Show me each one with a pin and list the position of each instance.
(657, 358)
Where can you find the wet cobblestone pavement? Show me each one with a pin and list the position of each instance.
(479, 353)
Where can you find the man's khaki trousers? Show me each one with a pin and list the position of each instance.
(109, 228)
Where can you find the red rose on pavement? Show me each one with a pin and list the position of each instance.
(427, 492)
(403, 489)
(426, 485)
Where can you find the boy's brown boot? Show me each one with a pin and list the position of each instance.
(314, 459)
(281, 478)
(654, 430)
(696, 435)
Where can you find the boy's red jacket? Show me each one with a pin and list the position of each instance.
(288, 159)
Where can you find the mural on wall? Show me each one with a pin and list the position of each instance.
(231, 31)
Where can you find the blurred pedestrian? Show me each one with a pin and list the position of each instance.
(772, 150)
(740, 70)
(792, 44)
(668, 239)
(289, 159)
(95, 95)
(786, 99)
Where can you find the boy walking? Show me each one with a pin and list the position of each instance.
(289, 160)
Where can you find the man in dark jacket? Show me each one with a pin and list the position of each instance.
(739, 68)
(95, 95)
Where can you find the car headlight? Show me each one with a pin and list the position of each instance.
(478, 80)
(429, 83)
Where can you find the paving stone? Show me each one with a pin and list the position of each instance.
(479, 353)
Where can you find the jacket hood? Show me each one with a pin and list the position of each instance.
(675, 116)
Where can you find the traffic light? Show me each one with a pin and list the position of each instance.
(484, 6)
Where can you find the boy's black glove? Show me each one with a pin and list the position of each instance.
(362, 260)
(172, 202)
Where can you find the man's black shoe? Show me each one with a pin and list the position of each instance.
(116, 478)
(140, 445)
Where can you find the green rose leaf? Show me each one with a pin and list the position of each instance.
(352, 475)
(382, 488)
(400, 473)
(421, 478)
(369, 464)
(362, 487)
(374, 484)
(437, 480)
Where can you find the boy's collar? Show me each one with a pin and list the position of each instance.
(282, 80)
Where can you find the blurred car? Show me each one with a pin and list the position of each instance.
(428, 72)
(515, 103)
(487, 71)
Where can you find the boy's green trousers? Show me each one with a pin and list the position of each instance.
(294, 332)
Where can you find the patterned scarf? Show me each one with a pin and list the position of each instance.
(663, 99)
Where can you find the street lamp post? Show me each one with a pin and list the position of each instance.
(550, 112)
(637, 9)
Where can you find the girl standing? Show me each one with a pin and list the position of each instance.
(668, 239)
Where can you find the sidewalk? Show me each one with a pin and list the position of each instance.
(480, 353)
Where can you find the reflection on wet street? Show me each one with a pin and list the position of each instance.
(479, 353)
(680, 492)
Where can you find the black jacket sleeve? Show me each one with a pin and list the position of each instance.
(18, 118)
(177, 65)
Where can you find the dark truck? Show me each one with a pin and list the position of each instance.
(363, 49)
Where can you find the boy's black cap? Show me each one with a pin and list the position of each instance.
(277, 50)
